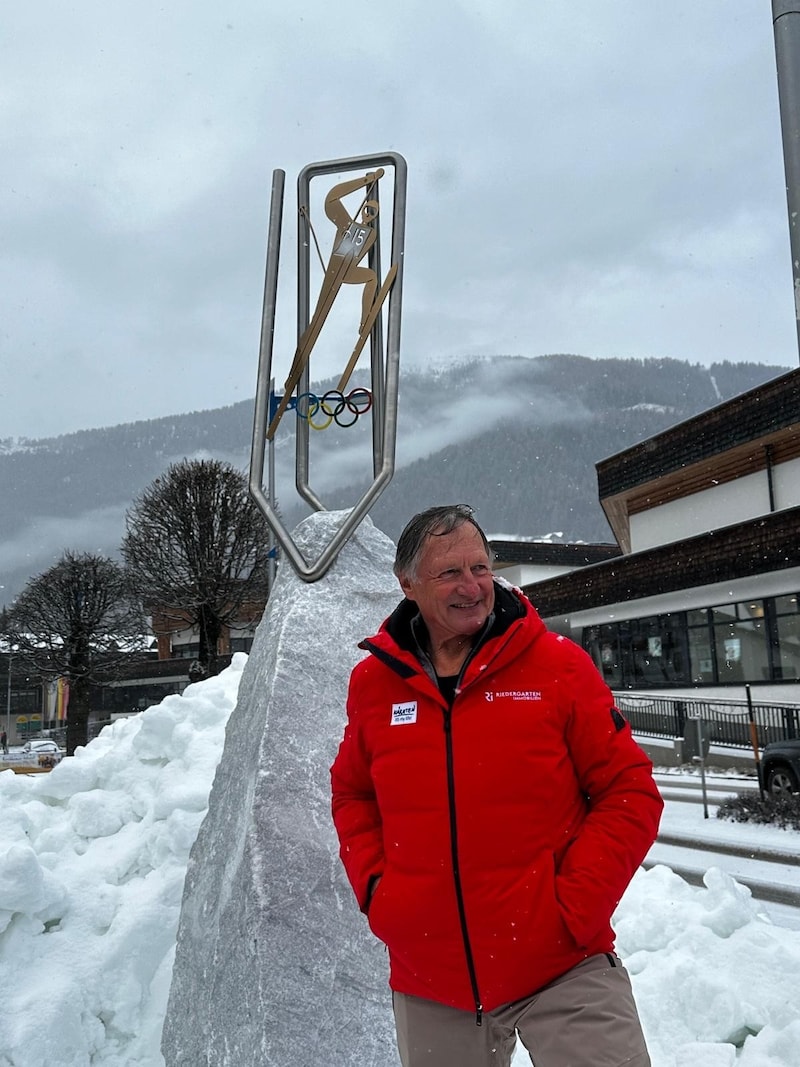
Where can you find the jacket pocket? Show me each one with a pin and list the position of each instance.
(532, 922)
(411, 913)
(375, 907)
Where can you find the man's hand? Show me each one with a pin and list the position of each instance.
(373, 885)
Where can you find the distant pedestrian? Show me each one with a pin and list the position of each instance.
(4, 742)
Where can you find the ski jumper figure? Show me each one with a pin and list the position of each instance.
(353, 240)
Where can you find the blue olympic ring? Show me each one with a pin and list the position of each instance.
(333, 406)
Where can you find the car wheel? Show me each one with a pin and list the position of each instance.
(781, 782)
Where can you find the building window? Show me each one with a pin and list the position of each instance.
(753, 641)
(602, 644)
(702, 667)
(657, 650)
(787, 626)
(128, 699)
(740, 640)
(186, 651)
(241, 644)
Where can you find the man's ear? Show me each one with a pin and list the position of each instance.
(406, 585)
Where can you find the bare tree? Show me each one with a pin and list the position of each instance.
(196, 549)
(80, 621)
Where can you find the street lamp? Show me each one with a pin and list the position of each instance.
(8, 696)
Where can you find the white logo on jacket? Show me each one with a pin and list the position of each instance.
(513, 694)
(403, 713)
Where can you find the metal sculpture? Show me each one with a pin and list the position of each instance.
(354, 260)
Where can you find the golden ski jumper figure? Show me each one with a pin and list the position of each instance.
(353, 240)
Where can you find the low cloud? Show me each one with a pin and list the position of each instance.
(41, 543)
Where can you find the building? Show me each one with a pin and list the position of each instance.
(169, 669)
(706, 590)
(177, 638)
(526, 562)
(23, 705)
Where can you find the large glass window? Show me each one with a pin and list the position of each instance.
(740, 640)
(751, 641)
(648, 660)
(126, 699)
(787, 625)
(701, 648)
(661, 650)
(650, 651)
(602, 644)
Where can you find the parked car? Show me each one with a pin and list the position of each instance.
(780, 767)
(46, 753)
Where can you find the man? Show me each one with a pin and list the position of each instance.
(491, 807)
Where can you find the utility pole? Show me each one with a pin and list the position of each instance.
(8, 696)
(786, 27)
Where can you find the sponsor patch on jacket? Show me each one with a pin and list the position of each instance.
(513, 694)
(403, 713)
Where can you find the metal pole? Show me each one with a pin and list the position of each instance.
(786, 28)
(377, 363)
(273, 503)
(754, 739)
(302, 429)
(8, 698)
(264, 384)
(702, 761)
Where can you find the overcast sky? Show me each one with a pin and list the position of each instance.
(583, 178)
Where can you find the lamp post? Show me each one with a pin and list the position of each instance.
(8, 696)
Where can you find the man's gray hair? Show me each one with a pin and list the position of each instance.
(434, 522)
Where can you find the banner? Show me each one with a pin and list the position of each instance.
(62, 699)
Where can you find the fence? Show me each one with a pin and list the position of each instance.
(727, 722)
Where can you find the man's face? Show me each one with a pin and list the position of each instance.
(453, 588)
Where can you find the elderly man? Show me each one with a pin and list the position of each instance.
(492, 807)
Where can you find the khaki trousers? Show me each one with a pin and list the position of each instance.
(585, 1018)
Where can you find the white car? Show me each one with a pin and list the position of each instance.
(47, 753)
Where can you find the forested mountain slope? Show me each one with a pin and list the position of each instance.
(517, 438)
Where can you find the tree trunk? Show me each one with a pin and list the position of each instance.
(78, 714)
(210, 632)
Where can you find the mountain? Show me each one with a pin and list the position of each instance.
(517, 438)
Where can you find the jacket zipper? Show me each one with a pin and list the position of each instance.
(405, 671)
(462, 915)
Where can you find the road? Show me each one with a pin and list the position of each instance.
(761, 858)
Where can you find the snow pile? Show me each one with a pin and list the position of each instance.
(93, 858)
(716, 983)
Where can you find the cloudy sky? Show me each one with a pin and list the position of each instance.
(580, 180)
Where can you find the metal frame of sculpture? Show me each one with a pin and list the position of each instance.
(355, 259)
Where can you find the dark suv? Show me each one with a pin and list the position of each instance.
(780, 767)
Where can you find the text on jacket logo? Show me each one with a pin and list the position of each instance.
(403, 713)
(513, 694)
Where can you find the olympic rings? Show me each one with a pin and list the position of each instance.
(334, 406)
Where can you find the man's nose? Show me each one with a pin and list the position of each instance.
(468, 579)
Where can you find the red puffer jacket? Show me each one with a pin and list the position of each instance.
(505, 829)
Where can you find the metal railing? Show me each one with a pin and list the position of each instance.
(727, 721)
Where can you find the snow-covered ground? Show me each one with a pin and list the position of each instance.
(92, 862)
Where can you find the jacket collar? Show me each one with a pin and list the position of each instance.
(407, 628)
